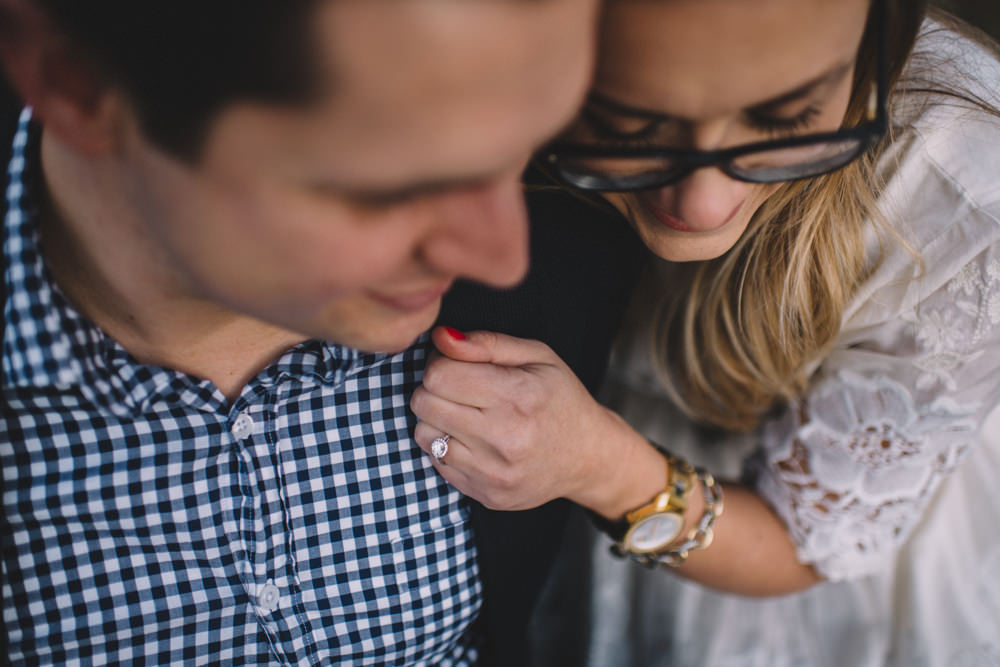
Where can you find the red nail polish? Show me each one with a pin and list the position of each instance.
(454, 333)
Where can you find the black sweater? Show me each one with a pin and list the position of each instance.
(584, 264)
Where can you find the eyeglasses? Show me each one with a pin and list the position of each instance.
(616, 169)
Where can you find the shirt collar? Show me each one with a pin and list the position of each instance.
(38, 346)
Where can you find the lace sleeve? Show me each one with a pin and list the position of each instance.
(852, 465)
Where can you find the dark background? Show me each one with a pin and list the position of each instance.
(983, 14)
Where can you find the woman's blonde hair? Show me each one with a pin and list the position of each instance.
(739, 334)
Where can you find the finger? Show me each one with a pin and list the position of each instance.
(424, 435)
(491, 347)
(457, 453)
(455, 468)
(455, 476)
(445, 415)
(476, 385)
(471, 472)
(459, 471)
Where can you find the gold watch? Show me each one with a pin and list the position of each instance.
(653, 527)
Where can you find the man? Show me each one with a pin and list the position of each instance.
(228, 224)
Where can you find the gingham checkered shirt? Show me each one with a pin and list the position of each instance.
(149, 521)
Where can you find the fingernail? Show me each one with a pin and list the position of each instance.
(454, 333)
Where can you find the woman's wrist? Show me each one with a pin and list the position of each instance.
(625, 473)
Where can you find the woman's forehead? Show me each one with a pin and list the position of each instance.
(700, 58)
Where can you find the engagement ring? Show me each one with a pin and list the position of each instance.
(440, 447)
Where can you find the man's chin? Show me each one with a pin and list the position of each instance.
(389, 335)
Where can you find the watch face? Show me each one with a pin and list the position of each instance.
(654, 533)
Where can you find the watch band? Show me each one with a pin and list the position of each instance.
(700, 537)
(668, 505)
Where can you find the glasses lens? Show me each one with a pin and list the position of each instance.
(786, 164)
(617, 173)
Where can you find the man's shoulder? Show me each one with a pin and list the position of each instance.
(10, 109)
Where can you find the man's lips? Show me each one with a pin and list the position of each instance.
(412, 300)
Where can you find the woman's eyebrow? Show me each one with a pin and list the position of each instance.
(617, 107)
(805, 89)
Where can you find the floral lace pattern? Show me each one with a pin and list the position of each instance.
(848, 480)
(851, 466)
(977, 296)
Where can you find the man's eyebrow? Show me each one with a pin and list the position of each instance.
(615, 106)
(405, 192)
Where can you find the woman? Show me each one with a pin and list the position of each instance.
(823, 201)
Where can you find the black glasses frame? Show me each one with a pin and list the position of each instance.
(688, 160)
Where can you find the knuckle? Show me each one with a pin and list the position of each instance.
(433, 379)
(489, 338)
(496, 500)
(418, 401)
(422, 433)
(488, 503)
(494, 480)
(536, 399)
(530, 395)
(541, 349)
(516, 447)
(506, 482)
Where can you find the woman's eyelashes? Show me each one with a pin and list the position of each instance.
(602, 128)
(595, 126)
(781, 126)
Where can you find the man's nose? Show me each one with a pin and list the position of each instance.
(481, 233)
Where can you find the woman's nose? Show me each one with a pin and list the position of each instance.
(705, 200)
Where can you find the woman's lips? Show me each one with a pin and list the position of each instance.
(412, 300)
(676, 223)
(670, 221)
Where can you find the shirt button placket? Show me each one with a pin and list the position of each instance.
(267, 596)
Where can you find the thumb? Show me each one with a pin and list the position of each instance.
(490, 347)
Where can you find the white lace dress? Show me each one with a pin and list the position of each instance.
(887, 472)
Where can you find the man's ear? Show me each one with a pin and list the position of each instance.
(62, 83)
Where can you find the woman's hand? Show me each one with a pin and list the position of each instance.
(524, 430)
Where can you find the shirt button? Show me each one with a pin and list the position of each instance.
(242, 426)
(268, 597)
